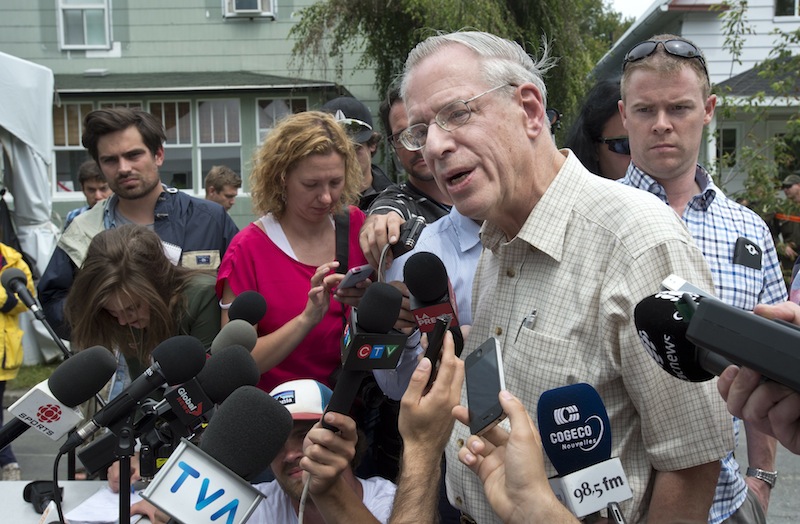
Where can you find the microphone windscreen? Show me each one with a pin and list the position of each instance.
(235, 333)
(379, 308)
(249, 306)
(180, 358)
(574, 426)
(247, 431)
(226, 370)
(79, 377)
(12, 273)
(662, 331)
(425, 277)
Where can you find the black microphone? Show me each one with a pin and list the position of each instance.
(695, 338)
(177, 360)
(47, 405)
(369, 343)
(183, 410)
(431, 294)
(576, 436)
(249, 306)
(662, 330)
(16, 282)
(237, 332)
(247, 432)
(224, 372)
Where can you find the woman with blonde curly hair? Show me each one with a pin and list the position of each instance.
(129, 296)
(304, 174)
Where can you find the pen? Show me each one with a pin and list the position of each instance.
(528, 322)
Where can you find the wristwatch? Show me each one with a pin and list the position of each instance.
(770, 477)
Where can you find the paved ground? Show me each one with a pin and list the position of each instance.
(36, 454)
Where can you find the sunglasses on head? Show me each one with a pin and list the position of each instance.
(617, 144)
(675, 47)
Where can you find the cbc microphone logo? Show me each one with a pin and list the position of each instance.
(48, 413)
(566, 415)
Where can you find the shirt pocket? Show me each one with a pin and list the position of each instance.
(536, 362)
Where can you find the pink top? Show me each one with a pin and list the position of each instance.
(254, 262)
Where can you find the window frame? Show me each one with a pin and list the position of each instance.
(62, 7)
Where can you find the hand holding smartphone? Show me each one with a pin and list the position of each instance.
(485, 380)
(435, 342)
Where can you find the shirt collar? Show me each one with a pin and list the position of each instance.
(546, 225)
(702, 201)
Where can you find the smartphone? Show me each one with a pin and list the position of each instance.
(676, 283)
(485, 380)
(355, 275)
(435, 342)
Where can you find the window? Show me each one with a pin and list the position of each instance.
(786, 8)
(270, 111)
(177, 120)
(727, 146)
(249, 8)
(84, 24)
(219, 135)
(70, 153)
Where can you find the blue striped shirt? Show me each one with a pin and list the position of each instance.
(716, 222)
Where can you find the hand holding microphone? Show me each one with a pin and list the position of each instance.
(770, 407)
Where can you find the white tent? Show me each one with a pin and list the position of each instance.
(26, 136)
(26, 156)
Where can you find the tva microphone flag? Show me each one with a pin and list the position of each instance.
(576, 436)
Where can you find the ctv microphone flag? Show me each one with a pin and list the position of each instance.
(576, 436)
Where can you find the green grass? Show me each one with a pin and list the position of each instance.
(29, 376)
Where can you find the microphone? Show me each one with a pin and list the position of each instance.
(50, 406)
(181, 413)
(249, 306)
(576, 436)
(369, 343)
(431, 294)
(224, 372)
(16, 283)
(237, 332)
(177, 360)
(246, 433)
(695, 338)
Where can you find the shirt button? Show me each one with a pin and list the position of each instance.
(511, 273)
(460, 443)
(459, 501)
(498, 331)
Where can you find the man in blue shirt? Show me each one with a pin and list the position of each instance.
(666, 103)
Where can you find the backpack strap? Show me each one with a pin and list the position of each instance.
(342, 222)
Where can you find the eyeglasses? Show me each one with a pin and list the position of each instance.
(394, 140)
(675, 47)
(618, 144)
(450, 117)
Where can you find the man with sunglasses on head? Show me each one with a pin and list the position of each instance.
(571, 246)
(666, 103)
(357, 120)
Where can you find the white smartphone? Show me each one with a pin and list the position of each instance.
(355, 275)
(676, 283)
(485, 380)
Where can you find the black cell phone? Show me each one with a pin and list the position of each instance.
(485, 380)
(435, 342)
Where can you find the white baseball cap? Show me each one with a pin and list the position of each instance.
(305, 399)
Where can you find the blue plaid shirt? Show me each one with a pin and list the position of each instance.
(716, 222)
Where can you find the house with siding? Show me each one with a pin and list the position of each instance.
(218, 73)
(702, 22)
